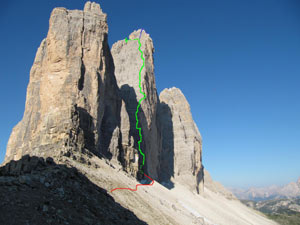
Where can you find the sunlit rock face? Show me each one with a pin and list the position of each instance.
(128, 64)
(83, 97)
(182, 142)
(68, 84)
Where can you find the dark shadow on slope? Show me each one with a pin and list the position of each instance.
(38, 191)
(167, 154)
(111, 119)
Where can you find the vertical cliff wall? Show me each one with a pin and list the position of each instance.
(128, 62)
(68, 82)
(82, 97)
(181, 158)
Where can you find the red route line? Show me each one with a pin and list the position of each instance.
(135, 185)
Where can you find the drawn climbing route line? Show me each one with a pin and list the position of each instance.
(136, 186)
(136, 117)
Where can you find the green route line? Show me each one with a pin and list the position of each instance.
(140, 101)
(137, 120)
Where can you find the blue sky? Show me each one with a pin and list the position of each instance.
(236, 61)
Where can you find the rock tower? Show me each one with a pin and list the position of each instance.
(82, 97)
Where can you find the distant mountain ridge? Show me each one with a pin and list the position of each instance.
(290, 190)
(284, 211)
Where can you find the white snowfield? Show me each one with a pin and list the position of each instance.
(159, 205)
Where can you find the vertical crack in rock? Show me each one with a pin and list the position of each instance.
(81, 79)
(82, 69)
(127, 59)
(57, 116)
(83, 97)
(182, 141)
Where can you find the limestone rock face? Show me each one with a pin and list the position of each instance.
(69, 79)
(83, 97)
(181, 158)
(128, 62)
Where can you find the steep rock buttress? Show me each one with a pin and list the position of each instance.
(128, 62)
(83, 97)
(69, 79)
(181, 158)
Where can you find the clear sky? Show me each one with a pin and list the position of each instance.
(236, 61)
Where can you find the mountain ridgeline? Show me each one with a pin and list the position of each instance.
(290, 190)
(82, 97)
(78, 140)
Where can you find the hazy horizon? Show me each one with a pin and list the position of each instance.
(236, 62)
(261, 186)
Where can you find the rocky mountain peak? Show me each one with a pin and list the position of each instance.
(83, 97)
(128, 62)
(93, 7)
(78, 138)
(182, 142)
(141, 34)
(66, 92)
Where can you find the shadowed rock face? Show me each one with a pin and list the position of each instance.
(128, 62)
(182, 142)
(82, 97)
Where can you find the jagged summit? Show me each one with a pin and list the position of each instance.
(82, 97)
(128, 62)
(140, 33)
(93, 7)
(180, 132)
(69, 81)
(80, 110)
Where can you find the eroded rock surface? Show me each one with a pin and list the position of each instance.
(82, 97)
(80, 111)
(68, 85)
(182, 142)
(128, 62)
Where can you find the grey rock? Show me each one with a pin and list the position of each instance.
(22, 180)
(49, 160)
(181, 159)
(72, 62)
(45, 208)
(25, 180)
(61, 192)
(128, 62)
(92, 103)
(42, 180)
